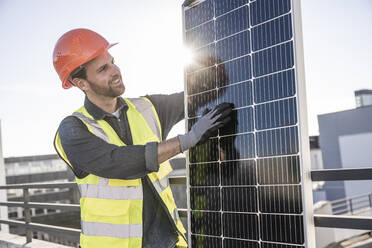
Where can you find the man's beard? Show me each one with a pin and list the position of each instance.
(109, 91)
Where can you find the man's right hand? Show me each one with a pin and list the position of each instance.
(206, 126)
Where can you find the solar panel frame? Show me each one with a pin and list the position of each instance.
(301, 155)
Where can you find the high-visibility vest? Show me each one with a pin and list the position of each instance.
(111, 209)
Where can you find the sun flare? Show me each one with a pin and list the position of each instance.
(187, 56)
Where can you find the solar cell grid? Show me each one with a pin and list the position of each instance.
(272, 245)
(245, 183)
(234, 71)
(204, 174)
(243, 226)
(233, 47)
(224, 6)
(276, 114)
(273, 59)
(233, 243)
(242, 122)
(205, 199)
(239, 199)
(241, 172)
(203, 80)
(280, 199)
(233, 22)
(275, 86)
(279, 170)
(207, 223)
(201, 36)
(198, 241)
(237, 147)
(281, 228)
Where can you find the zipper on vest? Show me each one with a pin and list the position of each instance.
(165, 208)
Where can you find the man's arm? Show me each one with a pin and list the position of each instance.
(168, 149)
(90, 154)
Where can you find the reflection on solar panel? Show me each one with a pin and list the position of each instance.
(246, 185)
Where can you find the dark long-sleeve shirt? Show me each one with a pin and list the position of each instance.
(91, 155)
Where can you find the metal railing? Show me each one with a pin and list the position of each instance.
(332, 221)
(27, 205)
(30, 226)
(352, 205)
(338, 220)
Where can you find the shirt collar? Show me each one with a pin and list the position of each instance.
(100, 114)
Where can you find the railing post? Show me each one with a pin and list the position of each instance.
(351, 206)
(26, 198)
(370, 200)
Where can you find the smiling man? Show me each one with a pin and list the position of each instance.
(118, 151)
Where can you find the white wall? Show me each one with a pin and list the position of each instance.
(356, 152)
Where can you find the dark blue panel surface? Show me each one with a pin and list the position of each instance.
(263, 10)
(208, 223)
(198, 103)
(234, 71)
(272, 33)
(245, 182)
(233, 47)
(243, 226)
(198, 241)
(242, 122)
(273, 245)
(223, 6)
(199, 14)
(206, 152)
(275, 86)
(204, 57)
(239, 94)
(237, 147)
(276, 114)
(200, 36)
(281, 228)
(239, 199)
(201, 81)
(277, 142)
(204, 174)
(280, 199)
(205, 198)
(279, 170)
(273, 59)
(233, 22)
(234, 243)
(238, 173)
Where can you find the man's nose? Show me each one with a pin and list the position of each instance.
(115, 70)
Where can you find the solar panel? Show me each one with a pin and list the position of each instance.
(247, 186)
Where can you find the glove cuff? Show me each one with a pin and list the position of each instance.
(187, 141)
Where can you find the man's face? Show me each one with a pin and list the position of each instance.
(104, 77)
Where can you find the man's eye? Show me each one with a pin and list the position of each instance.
(103, 68)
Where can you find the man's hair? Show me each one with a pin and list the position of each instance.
(79, 72)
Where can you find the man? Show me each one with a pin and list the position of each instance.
(117, 150)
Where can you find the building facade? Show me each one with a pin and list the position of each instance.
(346, 142)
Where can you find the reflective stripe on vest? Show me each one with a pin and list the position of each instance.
(112, 208)
(94, 126)
(111, 230)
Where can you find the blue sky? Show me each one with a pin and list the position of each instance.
(337, 47)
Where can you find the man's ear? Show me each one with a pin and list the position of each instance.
(80, 83)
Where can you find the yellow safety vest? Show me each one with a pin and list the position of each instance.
(111, 209)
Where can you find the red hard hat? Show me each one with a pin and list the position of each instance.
(75, 48)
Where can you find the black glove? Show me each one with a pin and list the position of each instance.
(206, 126)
